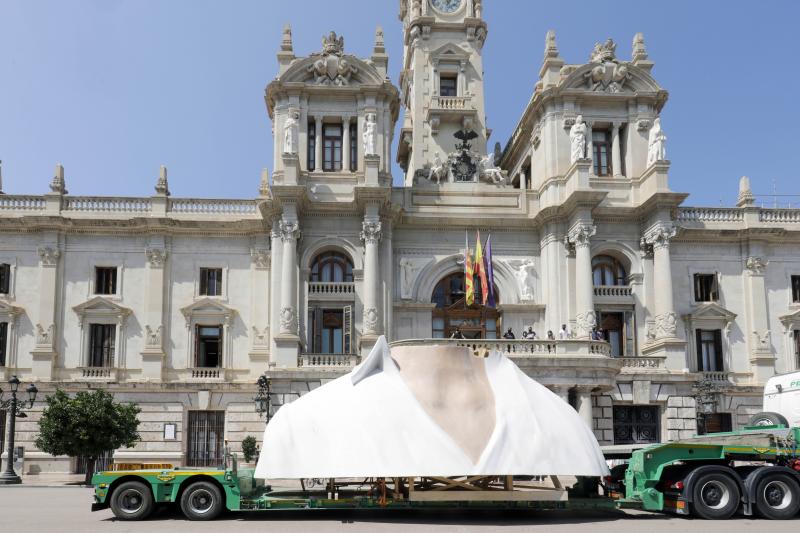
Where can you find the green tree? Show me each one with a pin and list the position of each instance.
(88, 424)
(249, 448)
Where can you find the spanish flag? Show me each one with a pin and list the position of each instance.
(468, 273)
(480, 270)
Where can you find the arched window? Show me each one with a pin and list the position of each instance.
(608, 271)
(332, 267)
(475, 321)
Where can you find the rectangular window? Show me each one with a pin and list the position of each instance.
(105, 280)
(709, 350)
(3, 343)
(5, 278)
(331, 147)
(102, 339)
(211, 282)
(205, 438)
(636, 424)
(312, 146)
(448, 85)
(796, 289)
(208, 346)
(601, 152)
(705, 288)
(353, 148)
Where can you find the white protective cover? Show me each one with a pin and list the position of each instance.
(368, 423)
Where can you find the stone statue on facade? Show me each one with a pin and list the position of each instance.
(290, 133)
(656, 143)
(488, 171)
(437, 170)
(369, 134)
(523, 272)
(577, 139)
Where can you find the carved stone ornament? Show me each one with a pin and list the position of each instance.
(762, 340)
(260, 257)
(45, 337)
(577, 139)
(154, 338)
(581, 234)
(645, 249)
(332, 68)
(659, 235)
(371, 231)
(585, 322)
(288, 320)
(290, 132)
(370, 320)
(643, 124)
(489, 172)
(260, 337)
(289, 230)
(666, 325)
(756, 265)
(369, 135)
(524, 274)
(656, 143)
(49, 255)
(609, 75)
(156, 257)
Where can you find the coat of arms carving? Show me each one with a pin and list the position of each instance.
(331, 67)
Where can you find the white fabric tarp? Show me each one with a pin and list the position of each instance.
(368, 423)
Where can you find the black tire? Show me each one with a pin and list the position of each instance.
(777, 496)
(768, 418)
(715, 496)
(202, 500)
(132, 500)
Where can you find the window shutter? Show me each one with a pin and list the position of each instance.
(718, 350)
(699, 349)
(347, 329)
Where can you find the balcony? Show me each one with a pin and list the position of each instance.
(96, 373)
(203, 374)
(613, 291)
(327, 360)
(444, 108)
(331, 290)
(717, 377)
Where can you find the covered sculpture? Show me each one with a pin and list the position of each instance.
(434, 410)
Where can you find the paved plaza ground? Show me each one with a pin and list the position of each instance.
(50, 509)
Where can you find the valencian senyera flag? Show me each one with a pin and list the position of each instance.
(480, 269)
(489, 269)
(469, 290)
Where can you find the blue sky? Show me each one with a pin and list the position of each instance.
(112, 89)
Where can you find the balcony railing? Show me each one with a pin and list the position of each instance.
(338, 360)
(709, 214)
(201, 373)
(10, 202)
(97, 372)
(520, 348)
(642, 363)
(619, 291)
(205, 206)
(331, 288)
(106, 204)
(719, 377)
(451, 103)
(779, 215)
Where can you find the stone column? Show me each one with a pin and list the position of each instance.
(153, 354)
(584, 406)
(290, 230)
(371, 237)
(589, 149)
(318, 144)
(44, 352)
(616, 153)
(666, 320)
(346, 144)
(579, 236)
(762, 358)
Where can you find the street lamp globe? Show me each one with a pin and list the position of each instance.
(32, 392)
(14, 384)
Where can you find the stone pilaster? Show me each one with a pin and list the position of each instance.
(259, 328)
(287, 341)
(44, 352)
(371, 237)
(318, 144)
(762, 357)
(153, 354)
(616, 153)
(580, 236)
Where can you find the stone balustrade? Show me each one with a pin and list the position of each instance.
(106, 204)
(204, 374)
(212, 206)
(618, 291)
(451, 103)
(781, 216)
(331, 288)
(636, 364)
(709, 214)
(13, 202)
(719, 377)
(317, 360)
(97, 372)
(520, 348)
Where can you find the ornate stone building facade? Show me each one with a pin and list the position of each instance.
(179, 304)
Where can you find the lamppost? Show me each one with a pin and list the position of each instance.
(263, 398)
(9, 477)
(705, 393)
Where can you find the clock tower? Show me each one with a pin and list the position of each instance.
(441, 83)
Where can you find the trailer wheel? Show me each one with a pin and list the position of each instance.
(202, 500)
(132, 500)
(777, 497)
(768, 419)
(716, 496)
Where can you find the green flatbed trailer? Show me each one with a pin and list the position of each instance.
(753, 471)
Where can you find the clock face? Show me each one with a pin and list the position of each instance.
(446, 6)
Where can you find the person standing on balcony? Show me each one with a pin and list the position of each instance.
(530, 334)
(564, 333)
(550, 335)
(509, 334)
(457, 334)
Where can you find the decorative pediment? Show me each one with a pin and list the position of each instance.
(101, 307)
(208, 308)
(711, 311)
(790, 321)
(450, 51)
(609, 77)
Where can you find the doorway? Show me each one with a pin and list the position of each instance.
(205, 438)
